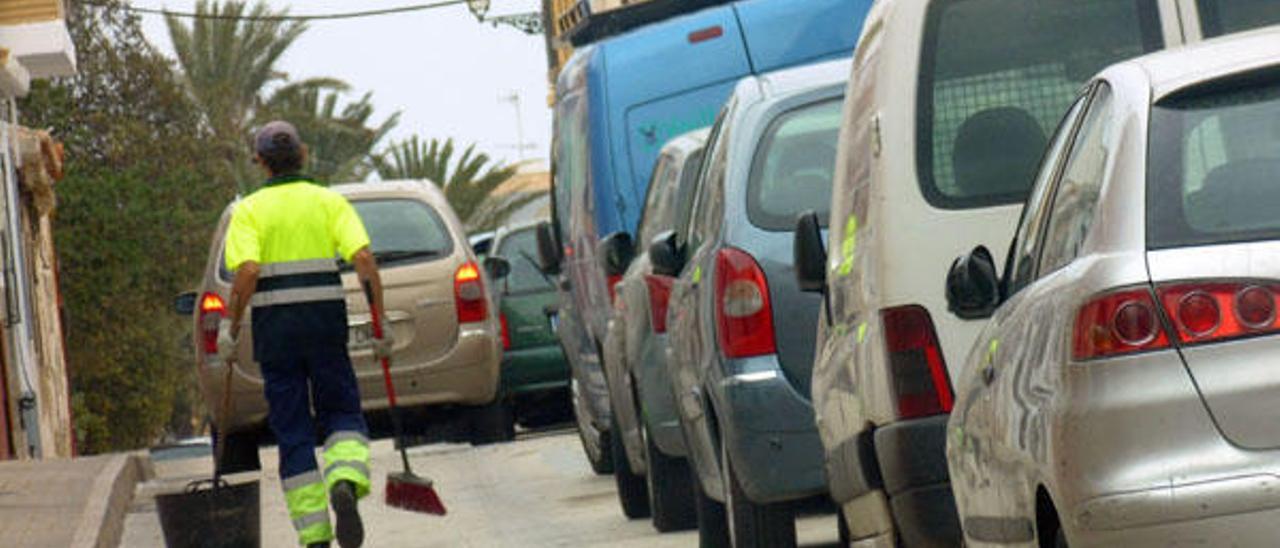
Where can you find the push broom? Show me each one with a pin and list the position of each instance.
(405, 490)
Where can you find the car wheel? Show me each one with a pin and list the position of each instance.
(754, 525)
(632, 491)
(240, 453)
(713, 525)
(842, 525)
(493, 423)
(671, 494)
(1060, 540)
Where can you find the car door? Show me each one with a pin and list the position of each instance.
(977, 431)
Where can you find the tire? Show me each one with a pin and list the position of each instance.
(493, 423)
(753, 525)
(1060, 540)
(713, 524)
(240, 453)
(671, 494)
(842, 526)
(632, 491)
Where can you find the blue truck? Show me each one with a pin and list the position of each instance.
(618, 101)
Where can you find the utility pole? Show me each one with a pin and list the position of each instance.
(514, 98)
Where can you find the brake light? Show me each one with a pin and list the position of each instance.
(612, 283)
(468, 294)
(744, 316)
(659, 295)
(1203, 312)
(212, 310)
(506, 331)
(1120, 322)
(919, 372)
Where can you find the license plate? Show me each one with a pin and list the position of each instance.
(554, 319)
(360, 336)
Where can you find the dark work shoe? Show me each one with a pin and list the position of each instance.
(349, 529)
(318, 545)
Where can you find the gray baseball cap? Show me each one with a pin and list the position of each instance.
(275, 137)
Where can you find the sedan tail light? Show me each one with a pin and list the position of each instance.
(1118, 322)
(212, 310)
(659, 296)
(506, 331)
(920, 381)
(468, 294)
(744, 315)
(1211, 311)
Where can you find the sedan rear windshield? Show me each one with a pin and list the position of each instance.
(520, 249)
(996, 76)
(1214, 162)
(404, 229)
(794, 165)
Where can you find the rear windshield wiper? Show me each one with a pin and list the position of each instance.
(400, 255)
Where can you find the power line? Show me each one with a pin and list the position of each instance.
(285, 17)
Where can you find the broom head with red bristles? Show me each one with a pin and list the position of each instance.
(408, 491)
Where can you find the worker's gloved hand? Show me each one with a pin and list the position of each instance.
(383, 346)
(227, 345)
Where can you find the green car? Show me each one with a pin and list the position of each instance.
(535, 375)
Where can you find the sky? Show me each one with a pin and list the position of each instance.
(442, 70)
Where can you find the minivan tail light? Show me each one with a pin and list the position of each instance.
(1210, 311)
(612, 283)
(468, 294)
(919, 373)
(1120, 322)
(212, 310)
(744, 315)
(506, 331)
(659, 295)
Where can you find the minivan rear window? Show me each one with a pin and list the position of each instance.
(996, 77)
(403, 229)
(793, 167)
(1214, 162)
(1218, 17)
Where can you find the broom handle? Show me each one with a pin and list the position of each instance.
(397, 425)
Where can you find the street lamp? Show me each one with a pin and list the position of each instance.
(479, 8)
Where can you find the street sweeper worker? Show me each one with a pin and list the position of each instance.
(283, 245)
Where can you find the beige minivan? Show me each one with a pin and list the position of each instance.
(447, 335)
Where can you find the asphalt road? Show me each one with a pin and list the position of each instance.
(536, 491)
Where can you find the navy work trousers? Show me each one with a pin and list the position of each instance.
(324, 380)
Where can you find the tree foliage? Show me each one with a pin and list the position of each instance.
(466, 183)
(339, 140)
(136, 210)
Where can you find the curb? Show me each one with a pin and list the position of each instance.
(102, 523)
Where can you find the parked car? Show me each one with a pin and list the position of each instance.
(617, 102)
(447, 340)
(535, 375)
(1123, 393)
(741, 333)
(649, 457)
(946, 120)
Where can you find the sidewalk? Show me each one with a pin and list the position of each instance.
(77, 503)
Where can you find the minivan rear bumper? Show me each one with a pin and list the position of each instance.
(468, 374)
(771, 435)
(913, 467)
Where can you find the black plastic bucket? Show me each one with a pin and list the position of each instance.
(205, 516)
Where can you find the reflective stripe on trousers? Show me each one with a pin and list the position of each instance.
(307, 498)
(292, 282)
(346, 457)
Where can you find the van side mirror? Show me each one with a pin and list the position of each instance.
(549, 254)
(973, 288)
(810, 254)
(616, 252)
(185, 304)
(665, 254)
(497, 267)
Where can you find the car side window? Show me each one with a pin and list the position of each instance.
(655, 198)
(710, 178)
(684, 217)
(1071, 214)
(1020, 268)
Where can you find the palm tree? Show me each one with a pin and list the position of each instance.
(340, 141)
(226, 62)
(466, 183)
